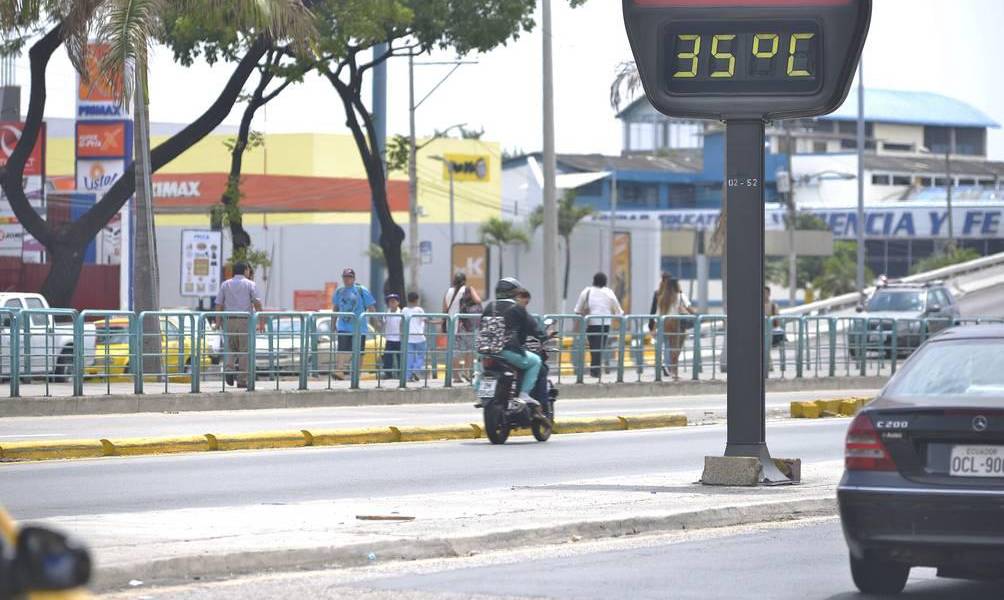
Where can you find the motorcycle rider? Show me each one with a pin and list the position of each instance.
(519, 325)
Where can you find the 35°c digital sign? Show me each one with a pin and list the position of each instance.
(746, 58)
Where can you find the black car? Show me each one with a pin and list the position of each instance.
(924, 478)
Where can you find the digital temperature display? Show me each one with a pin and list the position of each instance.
(780, 57)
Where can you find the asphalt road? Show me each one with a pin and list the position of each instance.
(698, 409)
(796, 561)
(112, 485)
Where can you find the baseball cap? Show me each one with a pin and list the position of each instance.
(392, 297)
(348, 273)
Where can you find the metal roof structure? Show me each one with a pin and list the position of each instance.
(881, 106)
(912, 108)
(932, 163)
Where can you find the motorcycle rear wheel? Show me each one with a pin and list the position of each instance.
(542, 431)
(495, 424)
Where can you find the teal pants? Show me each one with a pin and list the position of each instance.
(528, 363)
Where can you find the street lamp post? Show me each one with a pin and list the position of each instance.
(449, 170)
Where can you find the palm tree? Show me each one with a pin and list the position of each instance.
(569, 216)
(500, 233)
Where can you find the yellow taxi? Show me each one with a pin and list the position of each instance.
(113, 360)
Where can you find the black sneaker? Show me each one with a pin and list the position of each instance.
(230, 379)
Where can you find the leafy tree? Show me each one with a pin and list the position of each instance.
(351, 29)
(808, 267)
(951, 256)
(569, 216)
(128, 27)
(500, 233)
(840, 274)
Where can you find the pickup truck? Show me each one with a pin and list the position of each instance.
(46, 346)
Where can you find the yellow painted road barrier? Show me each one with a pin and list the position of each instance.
(805, 410)
(836, 407)
(210, 442)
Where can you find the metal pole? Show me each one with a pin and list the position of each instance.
(380, 127)
(860, 227)
(948, 187)
(792, 258)
(613, 216)
(744, 171)
(453, 238)
(551, 294)
(412, 180)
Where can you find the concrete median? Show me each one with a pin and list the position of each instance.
(215, 442)
(838, 407)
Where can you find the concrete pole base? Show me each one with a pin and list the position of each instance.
(749, 471)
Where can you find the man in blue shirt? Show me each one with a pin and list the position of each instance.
(351, 298)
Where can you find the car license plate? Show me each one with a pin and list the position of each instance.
(487, 388)
(977, 461)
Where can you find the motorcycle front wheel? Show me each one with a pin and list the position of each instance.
(495, 424)
(542, 431)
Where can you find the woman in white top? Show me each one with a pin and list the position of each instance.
(595, 301)
(462, 299)
(675, 304)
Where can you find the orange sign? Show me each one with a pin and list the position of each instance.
(472, 260)
(310, 300)
(10, 135)
(101, 140)
(96, 87)
(620, 268)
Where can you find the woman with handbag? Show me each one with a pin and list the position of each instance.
(462, 299)
(675, 305)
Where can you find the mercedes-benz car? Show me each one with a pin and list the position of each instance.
(924, 477)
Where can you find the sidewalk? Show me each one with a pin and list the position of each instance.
(180, 545)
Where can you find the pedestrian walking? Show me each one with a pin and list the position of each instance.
(392, 337)
(461, 299)
(674, 306)
(598, 303)
(355, 299)
(417, 345)
(238, 294)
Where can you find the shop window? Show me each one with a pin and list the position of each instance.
(880, 179)
(901, 180)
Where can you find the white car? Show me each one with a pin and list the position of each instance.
(46, 345)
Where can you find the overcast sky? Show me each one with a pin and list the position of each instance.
(951, 48)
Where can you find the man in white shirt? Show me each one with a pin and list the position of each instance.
(597, 303)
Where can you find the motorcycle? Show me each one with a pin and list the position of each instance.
(499, 385)
(37, 563)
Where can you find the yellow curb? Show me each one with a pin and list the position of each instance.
(829, 406)
(654, 421)
(429, 434)
(805, 410)
(849, 408)
(52, 450)
(141, 446)
(589, 425)
(297, 439)
(835, 407)
(261, 440)
(334, 437)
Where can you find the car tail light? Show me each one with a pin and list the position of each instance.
(864, 450)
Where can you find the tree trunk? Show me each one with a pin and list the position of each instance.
(67, 259)
(68, 242)
(501, 261)
(145, 274)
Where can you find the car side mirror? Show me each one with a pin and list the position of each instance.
(933, 308)
(48, 560)
(859, 308)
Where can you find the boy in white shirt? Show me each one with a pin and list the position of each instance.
(392, 336)
(416, 337)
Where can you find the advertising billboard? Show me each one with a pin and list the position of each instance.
(103, 139)
(201, 257)
(473, 260)
(10, 135)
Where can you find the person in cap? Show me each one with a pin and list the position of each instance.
(392, 336)
(354, 299)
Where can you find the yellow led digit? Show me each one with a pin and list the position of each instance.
(792, 47)
(769, 37)
(691, 56)
(723, 55)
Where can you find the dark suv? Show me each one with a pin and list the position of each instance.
(900, 316)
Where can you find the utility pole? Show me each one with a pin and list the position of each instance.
(948, 187)
(380, 127)
(792, 258)
(860, 228)
(413, 181)
(550, 167)
(453, 235)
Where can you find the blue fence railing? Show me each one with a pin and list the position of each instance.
(104, 352)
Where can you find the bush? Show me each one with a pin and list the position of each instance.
(952, 256)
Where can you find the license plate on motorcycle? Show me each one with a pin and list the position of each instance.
(487, 387)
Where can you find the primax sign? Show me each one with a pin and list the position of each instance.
(177, 189)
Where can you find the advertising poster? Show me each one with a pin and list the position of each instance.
(620, 269)
(96, 97)
(467, 167)
(310, 300)
(472, 259)
(103, 139)
(201, 256)
(10, 135)
(97, 176)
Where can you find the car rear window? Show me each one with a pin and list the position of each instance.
(958, 368)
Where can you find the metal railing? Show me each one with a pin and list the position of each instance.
(102, 352)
